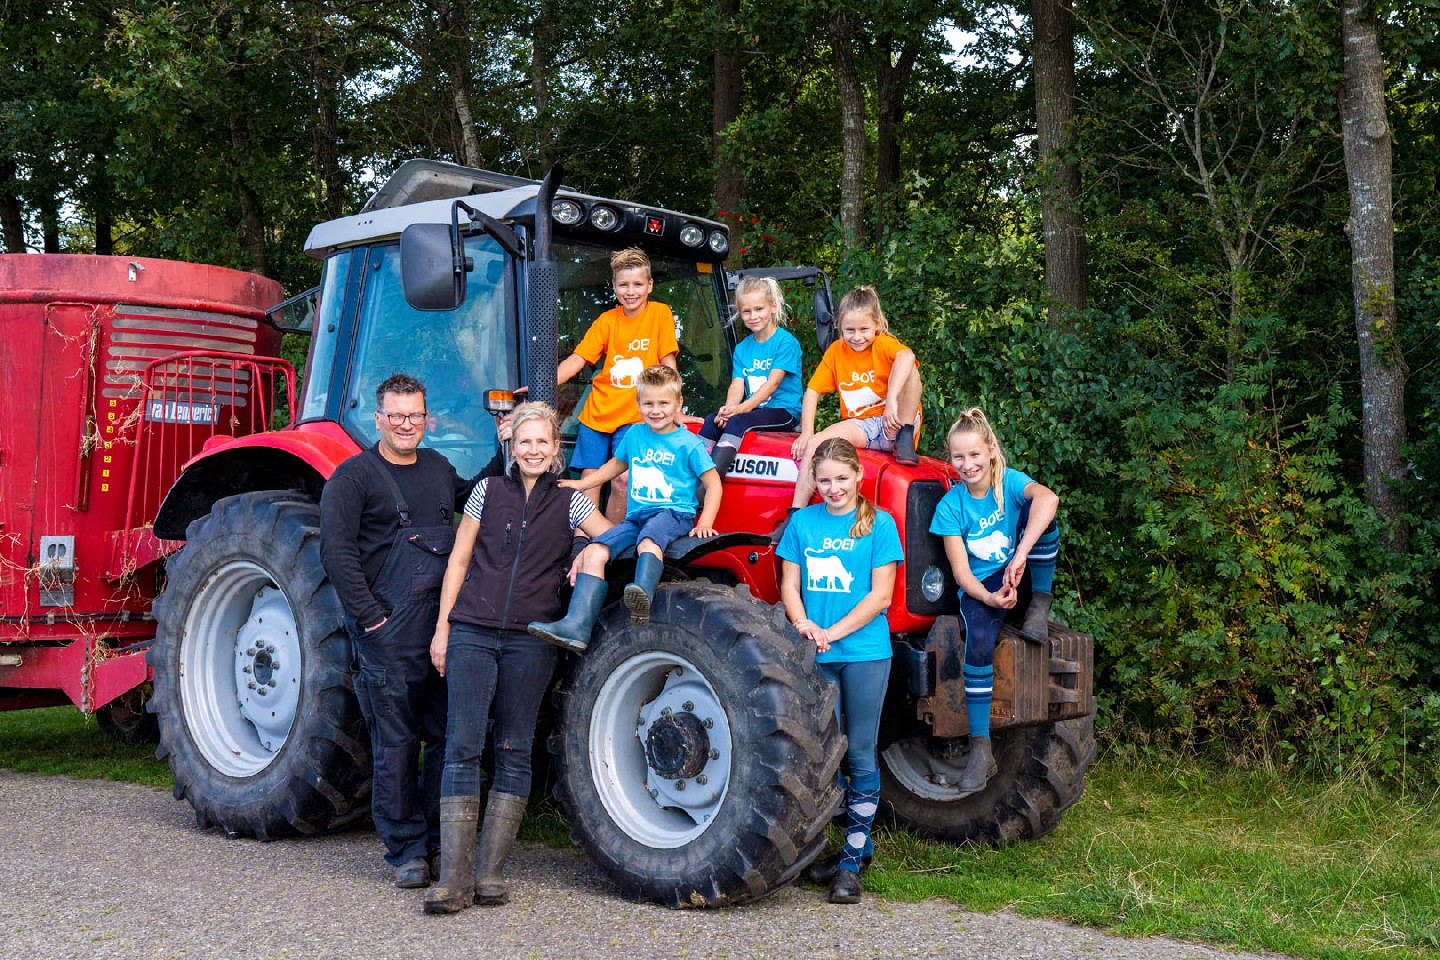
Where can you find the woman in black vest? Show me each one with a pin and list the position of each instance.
(495, 585)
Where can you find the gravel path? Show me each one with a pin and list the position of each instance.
(101, 870)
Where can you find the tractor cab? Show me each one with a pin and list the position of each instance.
(466, 330)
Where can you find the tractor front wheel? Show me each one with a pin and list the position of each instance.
(697, 754)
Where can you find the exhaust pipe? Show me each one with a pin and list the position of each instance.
(543, 295)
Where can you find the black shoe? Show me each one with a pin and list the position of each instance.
(413, 874)
(846, 887)
(905, 446)
(823, 870)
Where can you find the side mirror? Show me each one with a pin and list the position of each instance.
(428, 274)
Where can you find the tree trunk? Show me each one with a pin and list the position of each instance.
(329, 179)
(50, 222)
(1053, 55)
(891, 81)
(543, 37)
(725, 109)
(102, 206)
(1372, 265)
(841, 30)
(251, 229)
(12, 215)
(460, 87)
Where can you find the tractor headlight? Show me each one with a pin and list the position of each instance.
(691, 235)
(719, 243)
(932, 583)
(567, 212)
(604, 218)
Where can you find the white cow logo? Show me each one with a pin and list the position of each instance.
(625, 372)
(649, 484)
(826, 574)
(994, 546)
(860, 399)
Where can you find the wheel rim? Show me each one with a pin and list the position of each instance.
(660, 749)
(923, 769)
(240, 669)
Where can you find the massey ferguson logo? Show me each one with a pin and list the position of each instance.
(777, 469)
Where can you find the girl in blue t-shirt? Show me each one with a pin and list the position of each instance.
(765, 390)
(837, 574)
(1001, 540)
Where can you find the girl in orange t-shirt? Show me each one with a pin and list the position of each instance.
(879, 385)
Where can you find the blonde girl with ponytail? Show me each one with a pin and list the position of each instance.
(838, 565)
(1001, 539)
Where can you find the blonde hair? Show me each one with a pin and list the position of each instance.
(535, 410)
(863, 300)
(843, 451)
(661, 376)
(631, 258)
(769, 289)
(975, 421)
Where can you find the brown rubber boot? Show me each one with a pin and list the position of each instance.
(457, 856)
(502, 821)
(979, 766)
(1037, 617)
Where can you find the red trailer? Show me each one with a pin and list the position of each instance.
(115, 372)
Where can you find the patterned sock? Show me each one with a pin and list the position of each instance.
(860, 806)
(979, 682)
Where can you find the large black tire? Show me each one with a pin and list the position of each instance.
(776, 748)
(1041, 773)
(249, 608)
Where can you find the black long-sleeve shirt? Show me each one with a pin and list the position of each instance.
(359, 520)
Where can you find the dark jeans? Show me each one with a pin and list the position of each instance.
(862, 696)
(761, 418)
(403, 701)
(511, 670)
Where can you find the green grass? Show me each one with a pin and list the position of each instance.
(63, 741)
(1252, 859)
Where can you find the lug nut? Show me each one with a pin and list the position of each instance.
(270, 648)
(709, 724)
(262, 691)
(714, 754)
(245, 669)
(688, 706)
(271, 683)
(665, 711)
(251, 684)
(679, 784)
(702, 779)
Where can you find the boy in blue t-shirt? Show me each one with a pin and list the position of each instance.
(765, 389)
(665, 463)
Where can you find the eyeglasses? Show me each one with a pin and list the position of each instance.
(396, 419)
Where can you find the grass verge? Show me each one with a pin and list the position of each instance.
(1244, 858)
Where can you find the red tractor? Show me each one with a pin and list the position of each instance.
(696, 756)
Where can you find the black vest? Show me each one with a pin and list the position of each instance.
(520, 557)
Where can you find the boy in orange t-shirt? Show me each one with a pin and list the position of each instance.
(632, 336)
(879, 385)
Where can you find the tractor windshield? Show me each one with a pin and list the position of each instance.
(458, 354)
(686, 287)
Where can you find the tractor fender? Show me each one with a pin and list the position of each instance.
(300, 460)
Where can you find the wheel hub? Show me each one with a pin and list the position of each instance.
(682, 768)
(677, 746)
(267, 667)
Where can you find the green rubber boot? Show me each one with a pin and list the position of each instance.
(573, 632)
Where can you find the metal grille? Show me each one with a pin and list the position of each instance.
(142, 334)
(188, 398)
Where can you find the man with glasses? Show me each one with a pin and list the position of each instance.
(386, 528)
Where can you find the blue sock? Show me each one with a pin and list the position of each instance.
(1042, 560)
(979, 682)
(860, 806)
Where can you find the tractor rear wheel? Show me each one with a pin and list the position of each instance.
(1041, 773)
(257, 713)
(697, 754)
